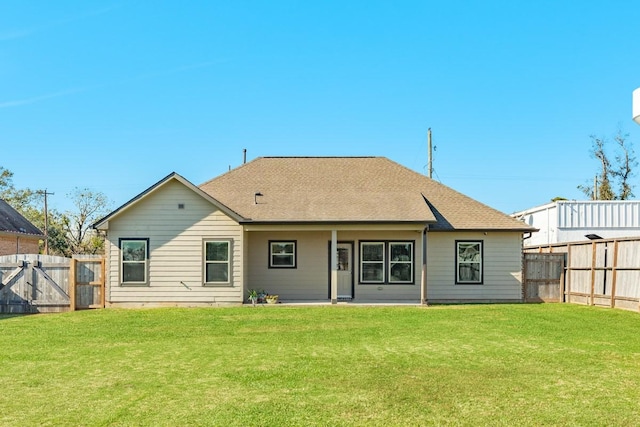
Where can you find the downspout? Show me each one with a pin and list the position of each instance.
(334, 266)
(424, 300)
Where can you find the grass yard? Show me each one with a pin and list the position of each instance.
(345, 365)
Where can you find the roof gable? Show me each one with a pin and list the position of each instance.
(11, 221)
(348, 189)
(103, 223)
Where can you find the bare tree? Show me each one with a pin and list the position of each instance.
(90, 206)
(609, 174)
(626, 162)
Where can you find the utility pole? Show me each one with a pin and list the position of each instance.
(430, 161)
(45, 193)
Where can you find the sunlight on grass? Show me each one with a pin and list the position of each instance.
(464, 365)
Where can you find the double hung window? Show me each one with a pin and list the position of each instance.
(400, 262)
(217, 265)
(372, 262)
(469, 262)
(386, 262)
(282, 254)
(134, 254)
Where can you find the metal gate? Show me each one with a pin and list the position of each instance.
(43, 283)
(543, 277)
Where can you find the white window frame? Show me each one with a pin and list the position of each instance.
(381, 262)
(206, 262)
(406, 262)
(293, 254)
(144, 262)
(478, 259)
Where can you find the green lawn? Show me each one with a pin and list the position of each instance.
(341, 365)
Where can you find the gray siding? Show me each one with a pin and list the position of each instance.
(387, 292)
(176, 249)
(502, 267)
(310, 280)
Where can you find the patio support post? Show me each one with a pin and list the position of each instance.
(423, 279)
(334, 267)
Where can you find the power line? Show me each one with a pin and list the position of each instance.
(45, 193)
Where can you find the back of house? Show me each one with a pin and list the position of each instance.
(360, 229)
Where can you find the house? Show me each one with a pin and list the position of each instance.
(17, 234)
(574, 221)
(310, 229)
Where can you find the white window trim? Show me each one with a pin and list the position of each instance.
(383, 262)
(145, 282)
(294, 254)
(480, 244)
(410, 262)
(205, 262)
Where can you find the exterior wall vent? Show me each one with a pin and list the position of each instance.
(180, 205)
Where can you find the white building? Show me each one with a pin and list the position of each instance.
(636, 105)
(572, 221)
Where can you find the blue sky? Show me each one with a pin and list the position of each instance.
(113, 96)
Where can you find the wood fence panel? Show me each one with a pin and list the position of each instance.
(628, 283)
(603, 272)
(51, 284)
(581, 256)
(543, 274)
(580, 281)
(89, 282)
(628, 254)
(43, 283)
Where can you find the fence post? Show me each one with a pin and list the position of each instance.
(593, 272)
(562, 280)
(567, 296)
(614, 273)
(72, 284)
(103, 287)
(524, 278)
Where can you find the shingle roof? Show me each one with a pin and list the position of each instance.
(11, 221)
(349, 189)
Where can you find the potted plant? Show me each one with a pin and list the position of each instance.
(272, 299)
(262, 295)
(253, 296)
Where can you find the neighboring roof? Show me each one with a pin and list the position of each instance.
(586, 214)
(349, 189)
(12, 222)
(102, 223)
(521, 214)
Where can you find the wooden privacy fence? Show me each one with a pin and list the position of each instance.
(44, 283)
(599, 272)
(543, 277)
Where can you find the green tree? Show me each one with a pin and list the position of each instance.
(69, 233)
(58, 244)
(18, 199)
(611, 175)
